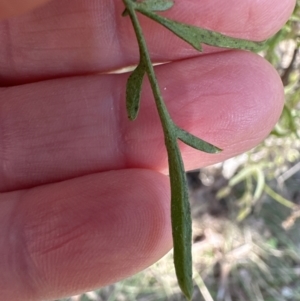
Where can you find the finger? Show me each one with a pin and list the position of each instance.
(60, 129)
(9, 8)
(79, 37)
(78, 235)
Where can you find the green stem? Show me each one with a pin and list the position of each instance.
(180, 208)
(277, 197)
(166, 120)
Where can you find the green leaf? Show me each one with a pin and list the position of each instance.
(181, 220)
(195, 35)
(133, 91)
(196, 142)
(154, 5)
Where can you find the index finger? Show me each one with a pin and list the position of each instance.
(67, 38)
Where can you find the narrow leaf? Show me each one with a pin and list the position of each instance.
(195, 35)
(196, 142)
(183, 31)
(133, 91)
(154, 5)
(181, 220)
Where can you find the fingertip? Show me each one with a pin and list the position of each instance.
(86, 233)
(248, 19)
(235, 99)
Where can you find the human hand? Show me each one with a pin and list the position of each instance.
(84, 192)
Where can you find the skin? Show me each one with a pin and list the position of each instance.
(84, 192)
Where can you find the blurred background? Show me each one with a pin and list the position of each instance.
(246, 213)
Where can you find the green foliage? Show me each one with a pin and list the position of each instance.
(195, 35)
(133, 90)
(180, 207)
(257, 245)
(154, 5)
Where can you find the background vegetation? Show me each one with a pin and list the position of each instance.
(245, 213)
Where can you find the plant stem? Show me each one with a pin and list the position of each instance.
(180, 208)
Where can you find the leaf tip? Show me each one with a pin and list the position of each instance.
(217, 150)
(188, 293)
(132, 113)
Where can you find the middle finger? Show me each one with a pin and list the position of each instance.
(65, 128)
(77, 37)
